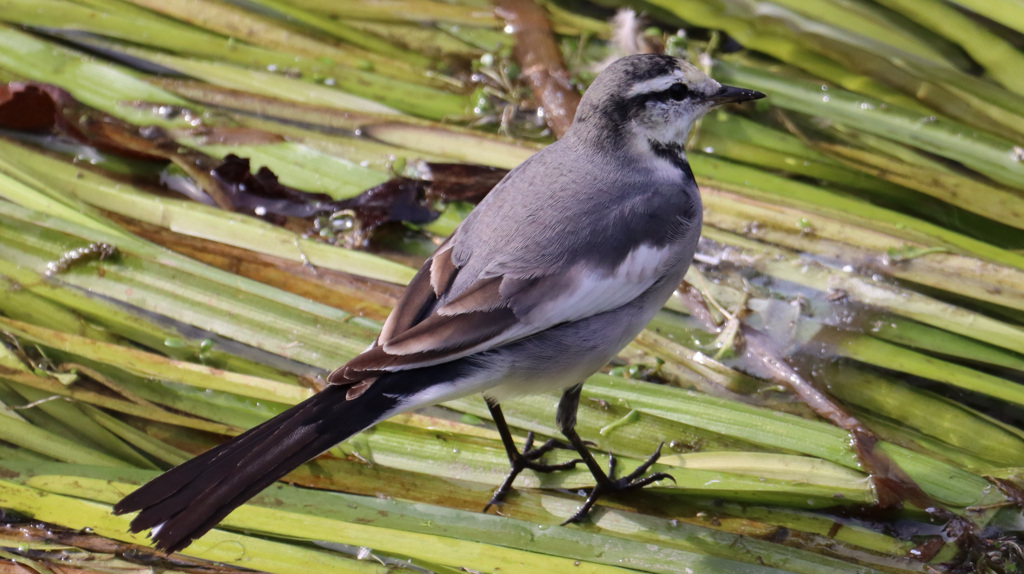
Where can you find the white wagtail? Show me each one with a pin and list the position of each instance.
(562, 264)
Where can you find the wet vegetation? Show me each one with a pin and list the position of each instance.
(205, 206)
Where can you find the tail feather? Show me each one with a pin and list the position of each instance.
(190, 499)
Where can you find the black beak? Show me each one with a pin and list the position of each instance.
(729, 95)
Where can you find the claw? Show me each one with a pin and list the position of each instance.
(527, 459)
(609, 485)
(642, 469)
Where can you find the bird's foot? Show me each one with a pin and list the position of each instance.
(528, 459)
(607, 484)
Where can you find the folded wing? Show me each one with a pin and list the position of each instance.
(427, 328)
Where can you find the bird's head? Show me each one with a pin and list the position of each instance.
(649, 99)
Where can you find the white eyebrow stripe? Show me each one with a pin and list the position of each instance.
(654, 85)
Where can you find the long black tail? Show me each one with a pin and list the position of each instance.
(190, 499)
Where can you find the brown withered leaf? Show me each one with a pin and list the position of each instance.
(230, 183)
(413, 200)
(263, 194)
(400, 199)
(36, 107)
(460, 181)
(43, 108)
(29, 108)
(397, 199)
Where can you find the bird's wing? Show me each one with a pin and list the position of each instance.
(426, 328)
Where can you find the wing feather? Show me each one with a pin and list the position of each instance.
(498, 310)
(442, 269)
(420, 297)
(436, 340)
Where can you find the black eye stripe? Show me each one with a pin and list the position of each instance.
(676, 92)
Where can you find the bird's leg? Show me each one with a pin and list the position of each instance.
(606, 483)
(525, 459)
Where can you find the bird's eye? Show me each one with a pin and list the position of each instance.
(675, 93)
(678, 92)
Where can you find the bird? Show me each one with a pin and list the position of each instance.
(559, 267)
